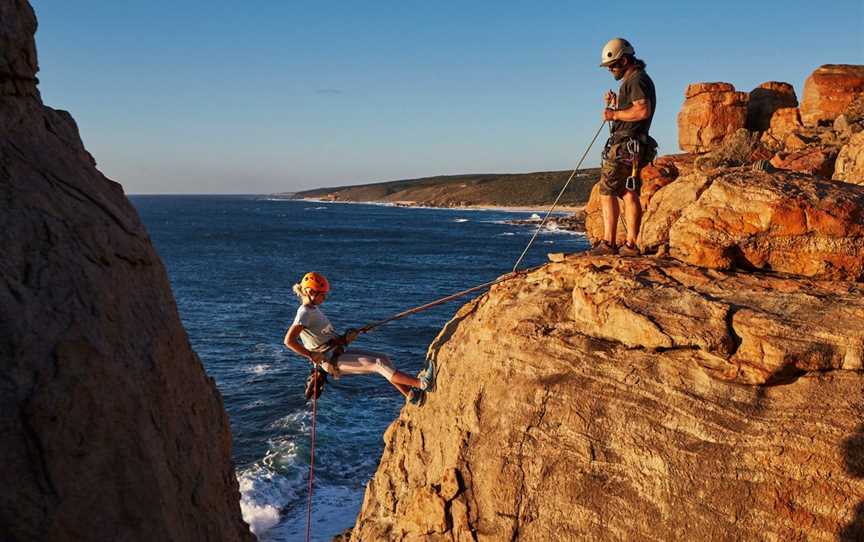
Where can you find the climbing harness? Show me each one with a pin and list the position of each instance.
(318, 374)
(315, 383)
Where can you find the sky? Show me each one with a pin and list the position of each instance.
(218, 96)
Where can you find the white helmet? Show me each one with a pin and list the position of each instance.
(615, 49)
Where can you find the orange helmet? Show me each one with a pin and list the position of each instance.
(315, 281)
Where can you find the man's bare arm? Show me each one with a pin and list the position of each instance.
(638, 110)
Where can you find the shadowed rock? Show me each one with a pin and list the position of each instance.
(109, 427)
(765, 100)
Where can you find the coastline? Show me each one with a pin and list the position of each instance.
(474, 207)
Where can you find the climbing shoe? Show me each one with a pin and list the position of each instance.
(416, 397)
(630, 249)
(603, 248)
(427, 377)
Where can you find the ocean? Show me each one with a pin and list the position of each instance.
(232, 261)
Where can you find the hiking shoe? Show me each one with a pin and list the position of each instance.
(603, 249)
(630, 249)
(416, 397)
(427, 377)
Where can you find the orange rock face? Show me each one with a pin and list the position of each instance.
(710, 111)
(850, 162)
(785, 222)
(785, 120)
(828, 90)
(817, 161)
(765, 100)
(654, 177)
(683, 163)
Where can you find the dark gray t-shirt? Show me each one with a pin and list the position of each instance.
(636, 86)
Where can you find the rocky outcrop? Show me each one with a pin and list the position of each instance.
(634, 399)
(828, 90)
(850, 162)
(710, 112)
(816, 160)
(767, 99)
(666, 207)
(18, 63)
(783, 222)
(109, 427)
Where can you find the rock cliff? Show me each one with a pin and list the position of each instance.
(711, 391)
(642, 399)
(109, 427)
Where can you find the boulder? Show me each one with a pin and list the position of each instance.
(618, 399)
(654, 177)
(765, 100)
(665, 209)
(109, 427)
(828, 90)
(785, 222)
(784, 123)
(817, 160)
(849, 166)
(710, 112)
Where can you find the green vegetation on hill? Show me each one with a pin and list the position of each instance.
(511, 190)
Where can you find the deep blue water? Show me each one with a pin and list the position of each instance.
(232, 261)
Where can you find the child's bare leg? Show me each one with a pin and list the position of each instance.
(403, 389)
(407, 381)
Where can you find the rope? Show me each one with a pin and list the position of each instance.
(369, 327)
(312, 460)
(561, 193)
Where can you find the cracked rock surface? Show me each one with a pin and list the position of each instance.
(109, 427)
(603, 398)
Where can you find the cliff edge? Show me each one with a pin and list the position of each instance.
(713, 390)
(109, 427)
(614, 399)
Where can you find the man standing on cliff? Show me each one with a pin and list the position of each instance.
(629, 146)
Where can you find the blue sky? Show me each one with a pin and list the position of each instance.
(214, 96)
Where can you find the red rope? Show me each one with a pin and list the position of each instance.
(312, 457)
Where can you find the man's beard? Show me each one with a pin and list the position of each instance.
(619, 75)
